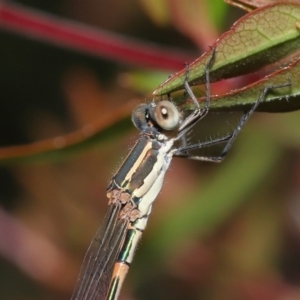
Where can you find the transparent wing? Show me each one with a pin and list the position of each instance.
(95, 274)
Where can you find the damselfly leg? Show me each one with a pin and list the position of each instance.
(183, 151)
(198, 113)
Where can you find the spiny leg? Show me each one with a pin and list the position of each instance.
(198, 113)
(205, 109)
(183, 151)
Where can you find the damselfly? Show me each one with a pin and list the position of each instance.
(133, 189)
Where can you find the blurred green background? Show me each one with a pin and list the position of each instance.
(225, 231)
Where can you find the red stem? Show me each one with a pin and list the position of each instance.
(86, 39)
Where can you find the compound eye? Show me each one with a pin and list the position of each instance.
(166, 115)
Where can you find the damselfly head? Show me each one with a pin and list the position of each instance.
(162, 115)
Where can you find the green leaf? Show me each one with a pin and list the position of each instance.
(259, 38)
(280, 99)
